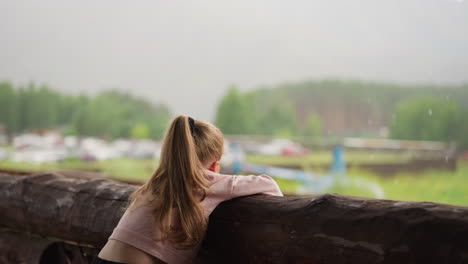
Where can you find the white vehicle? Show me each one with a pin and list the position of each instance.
(123, 146)
(144, 149)
(284, 147)
(97, 149)
(3, 154)
(38, 155)
(47, 141)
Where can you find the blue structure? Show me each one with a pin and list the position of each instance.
(338, 165)
(312, 182)
(238, 156)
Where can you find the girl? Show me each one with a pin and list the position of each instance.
(167, 217)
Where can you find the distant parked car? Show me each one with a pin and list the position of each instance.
(294, 150)
(38, 155)
(464, 155)
(47, 141)
(3, 154)
(144, 149)
(283, 147)
(123, 146)
(97, 149)
(251, 146)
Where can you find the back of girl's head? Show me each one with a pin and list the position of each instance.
(180, 181)
(204, 142)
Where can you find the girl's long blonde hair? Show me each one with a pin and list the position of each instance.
(180, 183)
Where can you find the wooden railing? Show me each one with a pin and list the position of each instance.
(52, 218)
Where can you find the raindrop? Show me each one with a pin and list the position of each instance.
(429, 112)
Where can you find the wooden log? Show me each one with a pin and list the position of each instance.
(335, 229)
(255, 229)
(81, 210)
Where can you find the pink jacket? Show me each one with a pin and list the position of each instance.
(135, 227)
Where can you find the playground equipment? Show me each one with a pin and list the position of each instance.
(313, 183)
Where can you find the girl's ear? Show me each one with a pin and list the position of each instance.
(214, 167)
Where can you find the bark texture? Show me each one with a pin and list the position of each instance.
(335, 229)
(255, 229)
(83, 210)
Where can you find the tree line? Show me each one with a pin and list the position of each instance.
(109, 114)
(430, 118)
(415, 113)
(423, 113)
(239, 113)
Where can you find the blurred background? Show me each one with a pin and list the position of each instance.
(365, 98)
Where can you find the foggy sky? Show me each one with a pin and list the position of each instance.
(187, 53)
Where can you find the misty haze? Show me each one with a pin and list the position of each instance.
(354, 114)
(186, 54)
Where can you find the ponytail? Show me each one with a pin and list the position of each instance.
(179, 184)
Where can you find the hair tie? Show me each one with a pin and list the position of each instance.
(191, 124)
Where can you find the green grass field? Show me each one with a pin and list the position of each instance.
(440, 186)
(436, 186)
(431, 185)
(119, 168)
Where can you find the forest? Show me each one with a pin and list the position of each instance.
(310, 109)
(109, 114)
(347, 108)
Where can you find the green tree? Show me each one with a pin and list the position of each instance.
(462, 130)
(232, 115)
(425, 118)
(313, 126)
(278, 120)
(8, 107)
(140, 131)
(113, 114)
(110, 114)
(36, 108)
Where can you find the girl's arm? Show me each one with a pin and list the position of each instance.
(252, 184)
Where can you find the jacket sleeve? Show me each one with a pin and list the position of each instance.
(252, 184)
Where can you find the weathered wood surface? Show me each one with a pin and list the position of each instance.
(83, 210)
(255, 229)
(336, 229)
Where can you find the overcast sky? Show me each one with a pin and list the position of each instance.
(187, 53)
